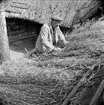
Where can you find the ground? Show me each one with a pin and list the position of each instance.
(19, 48)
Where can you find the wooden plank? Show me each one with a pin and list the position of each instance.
(21, 6)
(13, 9)
(25, 2)
(15, 39)
(73, 92)
(98, 93)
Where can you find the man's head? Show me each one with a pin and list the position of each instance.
(56, 21)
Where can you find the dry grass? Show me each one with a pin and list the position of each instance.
(48, 79)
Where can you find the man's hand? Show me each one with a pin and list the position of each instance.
(57, 49)
(62, 43)
(66, 42)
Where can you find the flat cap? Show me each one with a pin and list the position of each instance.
(56, 18)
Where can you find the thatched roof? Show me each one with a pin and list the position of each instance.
(40, 11)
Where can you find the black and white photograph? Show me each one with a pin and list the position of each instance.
(51, 52)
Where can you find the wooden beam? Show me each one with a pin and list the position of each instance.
(98, 93)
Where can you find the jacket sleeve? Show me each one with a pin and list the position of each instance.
(44, 38)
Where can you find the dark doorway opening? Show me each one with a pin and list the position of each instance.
(22, 35)
(19, 29)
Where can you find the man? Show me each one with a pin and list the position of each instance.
(50, 38)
